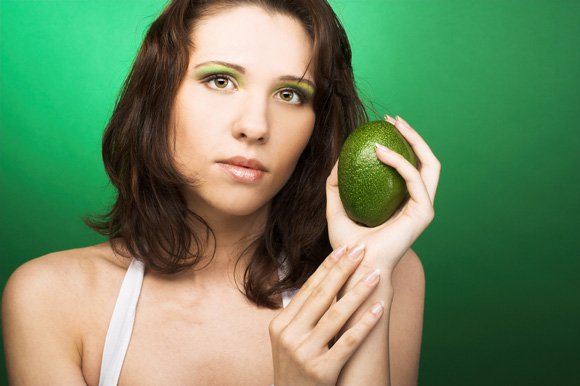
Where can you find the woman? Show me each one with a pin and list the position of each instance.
(222, 147)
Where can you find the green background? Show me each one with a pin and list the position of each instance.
(492, 86)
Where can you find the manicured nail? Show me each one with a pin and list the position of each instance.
(373, 278)
(338, 253)
(357, 252)
(377, 309)
(382, 148)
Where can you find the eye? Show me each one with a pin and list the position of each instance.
(220, 82)
(291, 96)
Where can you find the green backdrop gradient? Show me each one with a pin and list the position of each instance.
(492, 86)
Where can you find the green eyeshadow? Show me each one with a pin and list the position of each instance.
(213, 69)
(305, 88)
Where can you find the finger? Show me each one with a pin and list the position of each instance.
(313, 281)
(390, 119)
(323, 295)
(352, 338)
(415, 186)
(336, 317)
(430, 165)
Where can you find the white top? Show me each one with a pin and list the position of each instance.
(121, 324)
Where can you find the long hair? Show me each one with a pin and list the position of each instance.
(150, 219)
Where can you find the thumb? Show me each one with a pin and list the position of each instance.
(333, 204)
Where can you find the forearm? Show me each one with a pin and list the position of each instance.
(369, 365)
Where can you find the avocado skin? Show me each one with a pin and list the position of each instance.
(371, 191)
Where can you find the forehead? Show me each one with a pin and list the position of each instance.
(268, 43)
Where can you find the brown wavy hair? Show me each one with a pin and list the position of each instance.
(150, 219)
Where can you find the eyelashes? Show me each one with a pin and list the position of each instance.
(221, 77)
(226, 82)
(295, 92)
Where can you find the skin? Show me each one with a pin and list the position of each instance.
(364, 316)
(252, 109)
(386, 246)
(50, 326)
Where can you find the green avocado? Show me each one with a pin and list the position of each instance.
(371, 191)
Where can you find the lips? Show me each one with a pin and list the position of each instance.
(242, 169)
(245, 163)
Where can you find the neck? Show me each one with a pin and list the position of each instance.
(230, 237)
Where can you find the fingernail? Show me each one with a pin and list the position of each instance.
(357, 252)
(377, 309)
(338, 253)
(373, 278)
(382, 148)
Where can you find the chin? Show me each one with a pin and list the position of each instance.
(243, 209)
(237, 206)
(230, 202)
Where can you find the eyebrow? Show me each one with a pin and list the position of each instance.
(239, 69)
(297, 80)
(242, 70)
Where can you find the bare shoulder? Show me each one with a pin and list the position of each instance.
(60, 274)
(406, 319)
(409, 274)
(45, 305)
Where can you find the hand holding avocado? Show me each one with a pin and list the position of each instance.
(373, 183)
(370, 190)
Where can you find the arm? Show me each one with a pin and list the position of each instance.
(39, 338)
(396, 340)
(406, 326)
(388, 245)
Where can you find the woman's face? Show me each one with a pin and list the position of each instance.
(243, 115)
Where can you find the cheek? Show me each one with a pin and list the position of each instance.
(197, 119)
(198, 126)
(295, 127)
(295, 135)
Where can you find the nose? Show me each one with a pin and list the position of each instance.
(252, 125)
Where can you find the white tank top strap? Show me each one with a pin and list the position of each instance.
(287, 295)
(121, 324)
